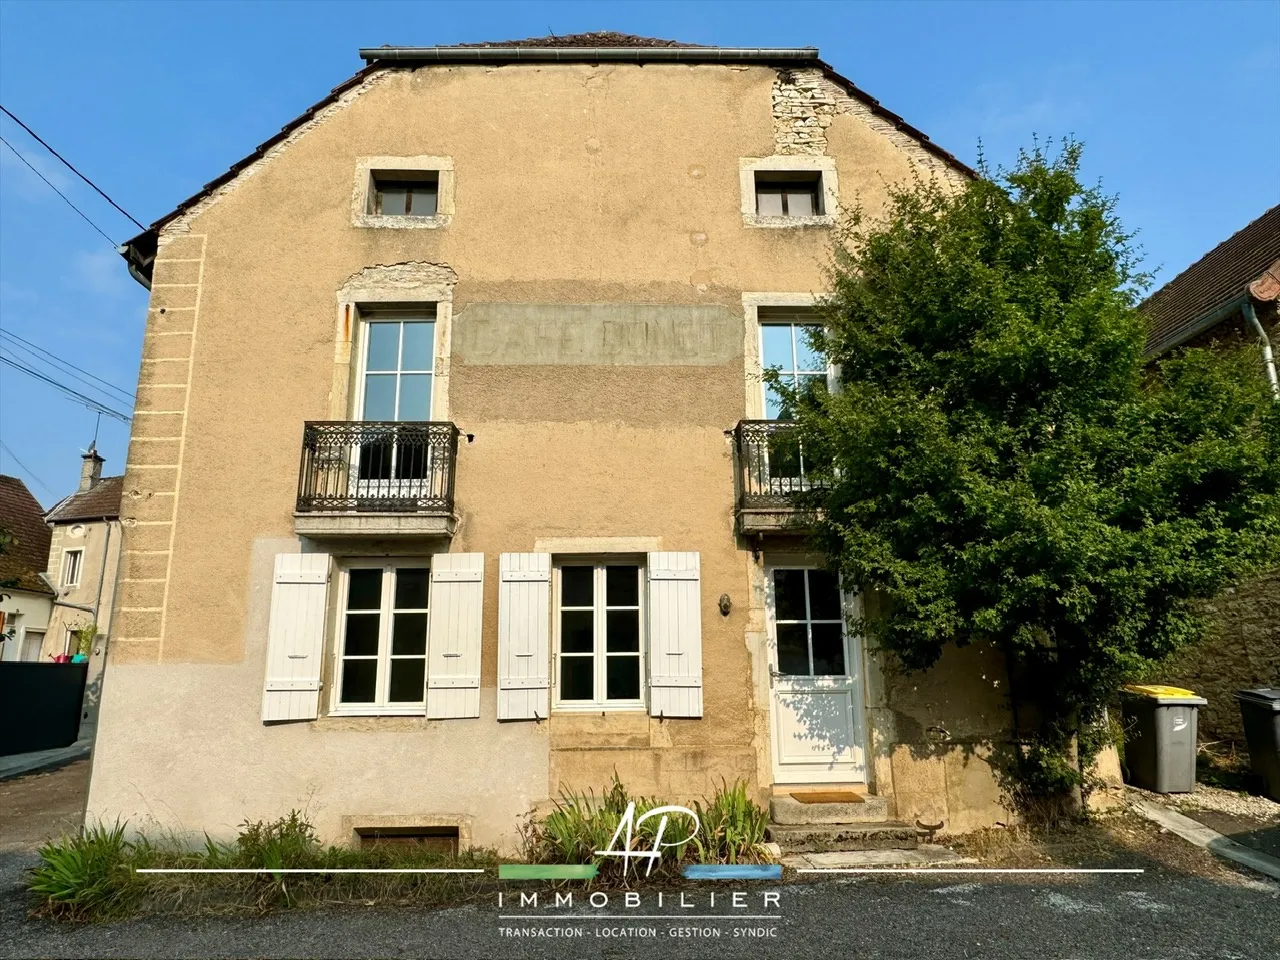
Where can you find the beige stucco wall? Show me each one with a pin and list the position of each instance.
(598, 206)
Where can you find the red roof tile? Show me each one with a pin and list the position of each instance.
(28, 556)
(101, 500)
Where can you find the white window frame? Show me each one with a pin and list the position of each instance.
(415, 313)
(379, 708)
(845, 601)
(70, 566)
(796, 320)
(600, 635)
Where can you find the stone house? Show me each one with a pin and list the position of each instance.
(1228, 297)
(453, 479)
(25, 604)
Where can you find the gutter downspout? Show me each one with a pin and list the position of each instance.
(1268, 358)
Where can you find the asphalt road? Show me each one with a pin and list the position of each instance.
(1156, 915)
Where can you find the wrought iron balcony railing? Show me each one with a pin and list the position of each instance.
(377, 467)
(772, 474)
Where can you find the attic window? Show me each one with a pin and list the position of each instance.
(789, 193)
(405, 193)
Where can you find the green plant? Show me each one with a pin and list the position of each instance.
(84, 875)
(733, 826)
(1001, 466)
(85, 637)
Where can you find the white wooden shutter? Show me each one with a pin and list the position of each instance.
(453, 641)
(524, 636)
(295, 637)
(675, 635)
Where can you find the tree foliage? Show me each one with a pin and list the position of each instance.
(1002, 463)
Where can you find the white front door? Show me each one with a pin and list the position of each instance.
(815, 680)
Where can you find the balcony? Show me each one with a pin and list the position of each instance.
(771, 479)
(376, 479)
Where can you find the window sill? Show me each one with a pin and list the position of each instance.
(402, 223)
(414, 711)
(599, 708)
(754, 220)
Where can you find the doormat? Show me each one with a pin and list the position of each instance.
(830, 796)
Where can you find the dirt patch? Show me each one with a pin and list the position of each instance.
(42, 805)
(1116, 840)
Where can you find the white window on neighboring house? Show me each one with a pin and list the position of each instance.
(71, 562)
(382, 643)
(598, 627)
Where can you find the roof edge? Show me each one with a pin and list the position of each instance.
(550, 54)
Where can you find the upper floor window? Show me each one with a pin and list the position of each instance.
(399, 193)
(598, 631)
(785, 347)
(71, 563)
(398, 366)
(789, 194)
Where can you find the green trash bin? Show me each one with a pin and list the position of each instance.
(1260, 711)
(1160, 737)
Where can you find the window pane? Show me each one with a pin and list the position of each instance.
(391, 200)
(622, 586)
(358, 680)
(577, 631)
(577, 586)
(380, 397)
(411, 588)
(806, 357)
(800, 203)
(419, 344)
(362, 634)
(793, 649)
(364, 590)
(769, 202)
(824, 595)
(407, 681)
(774, 408)
(788, 594)
(384, 346)
(409, 634)
(808, 384)
(576, 678)
(828, 650)
(375, 461)
(622, 678)
(775, 339)
(415, 397)
(624, 631)
(424, 200)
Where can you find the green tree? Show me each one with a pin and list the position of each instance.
(1002, 464)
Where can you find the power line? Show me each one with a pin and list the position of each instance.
(69, 166)
(59, 192)
(34, 349)
(89, 402)
(14, 457)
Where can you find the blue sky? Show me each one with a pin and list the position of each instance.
(1174, 101)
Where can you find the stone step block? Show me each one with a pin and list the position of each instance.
(786, 809)
(821, 838)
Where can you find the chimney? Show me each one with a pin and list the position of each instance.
(90, 469)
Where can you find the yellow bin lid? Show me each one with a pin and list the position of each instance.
(1158, 691)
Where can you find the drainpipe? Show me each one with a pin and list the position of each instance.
(1268, 358)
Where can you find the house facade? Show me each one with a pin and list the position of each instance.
(453, 479)
(26, 603)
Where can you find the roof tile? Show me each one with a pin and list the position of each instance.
(28, 556)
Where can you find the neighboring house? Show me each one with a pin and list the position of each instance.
(1229, 296)
(453, 480)
(25, 606)
(83, 561)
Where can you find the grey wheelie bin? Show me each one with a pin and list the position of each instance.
(1160, 738)
(1260, 711)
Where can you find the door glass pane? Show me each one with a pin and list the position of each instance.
(411, 588)
(384, 346)
(358, 680)
(380, 397)
(622, 678)
(788, 594)
(407, 681)
(775, 339)
(824, 595)
(577, 681)
(800, 203)
(769, 203)
(807, 358)
(409, 634)
(623, 631)
(793, 649)
(419, 340)
(364, 590)
(577, 631)
(622, 586)
(577, 586)
(415, 397)
(828, 650)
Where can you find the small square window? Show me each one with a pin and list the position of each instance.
(398, 193)
(789, 194)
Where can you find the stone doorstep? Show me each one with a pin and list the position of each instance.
(785, 809)
(823, 838)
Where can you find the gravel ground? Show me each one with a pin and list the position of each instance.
(41, 805)
(1223, 801)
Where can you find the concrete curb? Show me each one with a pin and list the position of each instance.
(20, 764)
(1195, 832)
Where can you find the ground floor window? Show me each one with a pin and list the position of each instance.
(382, 644)
(598, 634)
